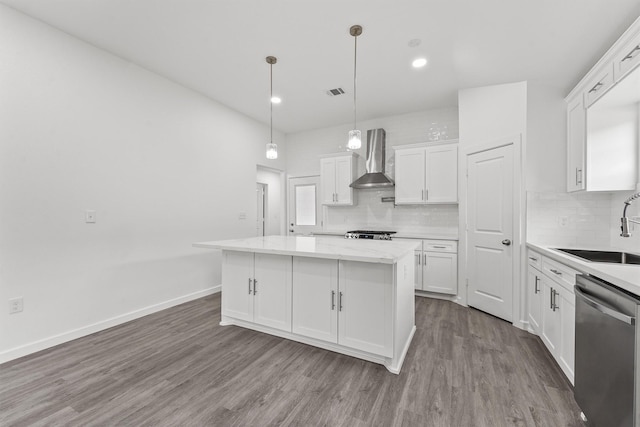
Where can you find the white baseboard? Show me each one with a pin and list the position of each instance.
(54, 340)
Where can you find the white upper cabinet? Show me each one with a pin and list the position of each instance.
(426, 174)
(337, 172)
(603, 121)
(576, 137)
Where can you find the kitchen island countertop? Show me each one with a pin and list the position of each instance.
(378, 251)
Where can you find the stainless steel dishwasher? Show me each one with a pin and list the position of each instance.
(606, 366)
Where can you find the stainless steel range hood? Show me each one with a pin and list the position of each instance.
(375, 176)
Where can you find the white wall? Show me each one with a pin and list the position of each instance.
(163, 167)
(304, 149)
(492, 113)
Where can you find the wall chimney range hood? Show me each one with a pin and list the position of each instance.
(375, 176)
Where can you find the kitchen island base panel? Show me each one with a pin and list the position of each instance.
(392, 364)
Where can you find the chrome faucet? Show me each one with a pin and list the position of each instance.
(625, 220)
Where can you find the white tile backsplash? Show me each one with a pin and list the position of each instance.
(569, 219)
(371, 213)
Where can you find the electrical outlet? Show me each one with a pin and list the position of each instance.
(563, 221)
(90, 217)
(242, 215)
(16, 305)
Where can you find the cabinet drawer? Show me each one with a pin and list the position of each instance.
(535, 260)
(627, 59)
(599, 85)
(440, 246)
(560, 273)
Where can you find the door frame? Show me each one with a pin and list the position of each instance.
(519, 223)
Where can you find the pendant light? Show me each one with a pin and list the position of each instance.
(355, 139)
(272, 149)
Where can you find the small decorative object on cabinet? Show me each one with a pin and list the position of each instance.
(426, 174)
(337, 171)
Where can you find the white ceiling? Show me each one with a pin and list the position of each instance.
(218, 48)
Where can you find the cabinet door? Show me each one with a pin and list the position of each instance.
(365, 307)
(410, 176)
(328, 181)
(534, 289)
(442, 174)
(576, 139)
(440, 272)
(550, 318)
(315, 298)
(344, 177)
(272, 291)
(418, 274)
(566, 354)
(237, 276)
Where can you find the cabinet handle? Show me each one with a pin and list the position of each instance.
(336, 197)
(340, 301)
(333, 300)
(424, 260)
(554, 271)
(533, 259)
(421, 194)
(255, 289)
(440, 247)
(596, 87)
(418, 256)
(426, 194)
(551, 299)
(631, 54)
(249, 286)
(535, 287)
(555, 294)
(578, 176)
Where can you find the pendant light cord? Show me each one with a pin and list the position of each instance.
(271, 101)
(355, 67)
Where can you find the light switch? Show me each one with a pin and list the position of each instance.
(242, 215)
(90, 217)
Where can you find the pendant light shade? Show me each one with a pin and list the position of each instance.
(355, 138)
(272, 149)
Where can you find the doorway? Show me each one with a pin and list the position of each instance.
(261, 203)
(270, 201)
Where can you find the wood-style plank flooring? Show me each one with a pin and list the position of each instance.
(178, 367)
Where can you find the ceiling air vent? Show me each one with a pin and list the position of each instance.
(335, 92)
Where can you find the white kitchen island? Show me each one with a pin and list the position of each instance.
(354, 297)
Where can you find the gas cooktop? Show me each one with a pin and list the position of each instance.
(369, 234)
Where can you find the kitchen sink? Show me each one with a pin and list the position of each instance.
(604, 256)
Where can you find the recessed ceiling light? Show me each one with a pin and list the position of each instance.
(419, 63)
(275, 100)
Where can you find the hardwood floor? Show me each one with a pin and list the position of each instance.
(179, 367)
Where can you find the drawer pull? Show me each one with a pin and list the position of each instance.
(440, 247)
(554, 271)
(536, 289)
(533, 259)
(631, 54)
(333, 300)
(596, 87)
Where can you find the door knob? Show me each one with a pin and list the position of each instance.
(506, 242)
(291, 231)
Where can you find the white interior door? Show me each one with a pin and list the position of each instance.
(305, 214)
(490, 231)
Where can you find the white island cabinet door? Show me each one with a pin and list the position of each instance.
(315, 298)
(272, 291)
(237, 298)
(365, 307)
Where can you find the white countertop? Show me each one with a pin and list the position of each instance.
(400, 235)
(626, 277)
(378, 251)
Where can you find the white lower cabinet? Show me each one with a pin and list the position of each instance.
(263, 297)
(555, 306)
(344, 302)
(534, 292)
(437, 267)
